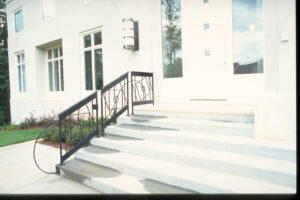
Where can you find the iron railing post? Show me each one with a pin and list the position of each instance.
(102, 124)
(128, 94)
(60, 140)
(97, 126)
(152, 89)
(131, 93)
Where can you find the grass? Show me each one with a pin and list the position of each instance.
(17, 136)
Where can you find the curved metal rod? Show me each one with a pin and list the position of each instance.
(51, 124)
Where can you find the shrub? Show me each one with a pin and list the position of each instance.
(28, 122)
(8, 127)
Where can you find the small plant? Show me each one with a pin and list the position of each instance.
(8, 127)
(28, 122)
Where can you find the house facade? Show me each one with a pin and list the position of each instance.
(230, 51)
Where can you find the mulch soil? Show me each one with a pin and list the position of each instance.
(54, 144)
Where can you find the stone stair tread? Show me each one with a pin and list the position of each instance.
(108, 180)
(198, 153)
(140, 129)
(232, 118)
(172, 120)
(196, 179)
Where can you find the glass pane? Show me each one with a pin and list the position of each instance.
(20, 81)
(62, 75)
(88, 70)
(97, 38)
(87, 41)
(60, 51)
(247, 36)
(23, 57)
(48, 9)
(56, 76)
(19, 58)
(55, 53)
(49, 54)
(24, 78)
(206, 26)
(207, 52)
(19, 21)
(98, 69)
(171, 38)
(50, 74)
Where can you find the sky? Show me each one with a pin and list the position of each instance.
(247, 31)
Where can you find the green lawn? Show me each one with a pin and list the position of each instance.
(17, 136)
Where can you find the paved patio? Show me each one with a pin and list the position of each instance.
(19, 174)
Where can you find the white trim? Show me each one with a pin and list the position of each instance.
(14, 19)
(54, 94)
(82, 64)
(41, 12)
(21, 93)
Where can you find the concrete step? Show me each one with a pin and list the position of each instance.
(232, 144)
(111, 181)
(264, 169)
(182, 176)
(199, 107)
(222, 117)
(237, 129)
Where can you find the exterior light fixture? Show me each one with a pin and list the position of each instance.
(130, 34)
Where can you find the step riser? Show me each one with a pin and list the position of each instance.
(206, 144)
(90, 182)
(235, 131)
(182, 177)
(242, 170)
(202, 116)
(154, 175)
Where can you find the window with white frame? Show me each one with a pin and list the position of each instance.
(19, 25)
(21, 71)
(48, 9)
(55, 69)
(93, 60)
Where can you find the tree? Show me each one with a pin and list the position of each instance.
(4, 73)
(171, 38)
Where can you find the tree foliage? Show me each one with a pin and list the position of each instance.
(171, 38)
(4, 73)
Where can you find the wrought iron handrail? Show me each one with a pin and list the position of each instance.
(142, 89)
(142, 92)
(85, 120)
(114, 101)
(36, 140)
(111, 108)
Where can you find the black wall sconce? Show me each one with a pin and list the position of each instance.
(130, 34)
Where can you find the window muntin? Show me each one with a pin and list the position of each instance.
(93, 60)
(171, 38)
(48, 9)
(55, 69)
(19, 25)
(247, 36)
(21, 72)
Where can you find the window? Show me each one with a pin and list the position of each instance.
(55, 69)
(48, 9)
(21, 72)
(19, 20)
(205, 1)
(82, 2)
(171, 38)
(93, 60)
(207, 52)
(206, 26)
(247, 36)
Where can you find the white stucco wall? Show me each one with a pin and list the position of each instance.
(71, 19)
(275, 110)
(203, 77)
